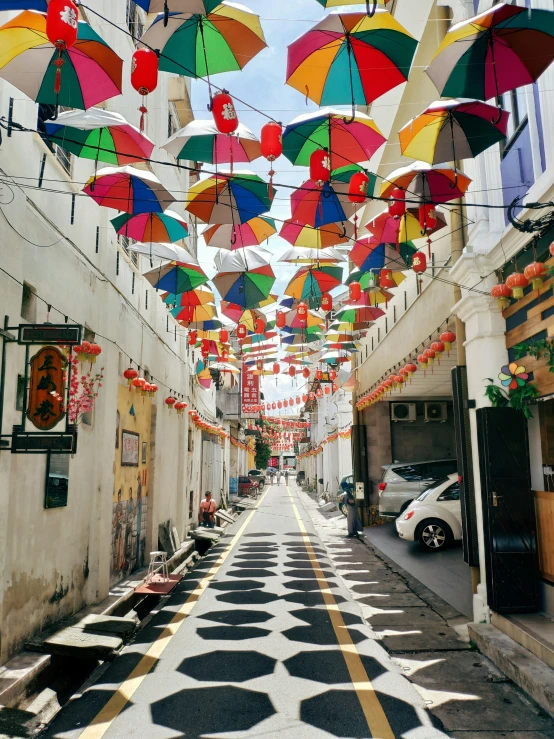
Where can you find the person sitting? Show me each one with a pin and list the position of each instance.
(207, 511)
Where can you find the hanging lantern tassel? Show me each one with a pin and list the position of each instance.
(144, 77)
(429, 246)
(61, 29)
(58, 79)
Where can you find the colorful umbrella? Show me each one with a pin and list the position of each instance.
(200, 141)
(371, 255)
(175, 277)
(210, 325)
(449, 130)
(197, 45)
(178, 6)
(251, 233)
(41, 5)
(344, 174)
(302, 339)
(162, 251)
(350, 58)
(334, 357)
(234, 311)
(194, 313)
(369, 3)
(388, 230)
(225, 367)
(503, 48)
(302, 255)
(100, 135)
(312, 320)
(359, 314)
(371, 296)
(348, 142)
(199, 296)
(91, 72)
(437, 184)
(298, 233)
(310, 283)
(128, 189)
(203, 375)
(318, 206)
(229, 198)
(165, 227)
(246, 278)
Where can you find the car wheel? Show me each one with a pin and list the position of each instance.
(434, 535)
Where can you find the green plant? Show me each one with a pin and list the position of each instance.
(539, 349)
(518, 399)
(263, 453)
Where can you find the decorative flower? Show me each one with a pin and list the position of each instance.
(513, 376)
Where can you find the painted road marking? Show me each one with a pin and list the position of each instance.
(373, 711)
(104, 719)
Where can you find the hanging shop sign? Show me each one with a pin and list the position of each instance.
(49, 333)
(45, 408)
(250, 391)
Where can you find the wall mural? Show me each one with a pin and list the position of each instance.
(130, 498)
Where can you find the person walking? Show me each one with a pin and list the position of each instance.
(353, 522)
(286, 477)
(207, 511)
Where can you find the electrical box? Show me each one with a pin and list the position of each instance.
(360, 492)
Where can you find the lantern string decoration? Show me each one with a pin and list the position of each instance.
(271, 147)
(62, 25)
(144, 77)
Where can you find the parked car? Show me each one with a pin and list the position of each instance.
(435, 518)
(246, 486)
(347, 483)
(257, 476)
(300, 476)
(403, 482)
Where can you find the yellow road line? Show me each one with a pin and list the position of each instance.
(104, 719)
(373, 710)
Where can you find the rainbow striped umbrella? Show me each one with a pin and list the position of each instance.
(371, 4)
(350, 58)
(245, 279)
(344, 174)
(318, 206)
(298, 233)
(229, 236)
(200, 141)
(162, 251)
(302, 255)
(369, 254)
(165, 227)
(178, 6)
(347, 141)
(310, 283)
(234, 312)
(128, 189)
(197, 45)
(194, 313)
(503, 48)
(229, 198)
(359, 314)
(432, 184)
(201, 295)
(203, 375)
(176, 277)
(91, 72)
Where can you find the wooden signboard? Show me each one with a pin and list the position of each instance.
(45, 408)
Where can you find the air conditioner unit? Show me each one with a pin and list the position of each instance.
(403, 411)
(436, 412)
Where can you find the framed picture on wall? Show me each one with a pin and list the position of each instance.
(144, 450)
(129, 449)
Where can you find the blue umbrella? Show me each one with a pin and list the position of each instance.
(41, 5)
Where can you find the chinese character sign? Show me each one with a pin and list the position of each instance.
(250, 391)
(47, 388)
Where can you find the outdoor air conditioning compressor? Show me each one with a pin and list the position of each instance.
(403, 411)
(436, 412)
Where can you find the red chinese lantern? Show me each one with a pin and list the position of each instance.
(205, 346)
(326, 302)
(260, 364)
(355, 291)
(62, 24)
(138, 383)
(224, 113)
(448, 338)
(297, 400)
(260, 325)
(306, 372)
(327, 390)
(224, 355)
(144, 77)
(276, 368)
(517, 282)
(319, 392)
(419, 262)
(429, 355)
(385, 279)
(302, 311)
(332, 375)
(320, 167)
(242, 331)
(358, 187)
(318, 375)
(536, 272)
(271, 146)
(335, 387)
(279, 404)
(281, 319)
(411, 368)
(403, 372)
(502, 293)
(428, 217)
(130, 374)
(422, 359)
(286, 403)
(193, 337)
(312, 395)
(438, 347)
(292, 371)
(153, 390)
(273, 405)
(304, 398)
(180, 407)
(170, 402)
(223, 336)
(397, 204)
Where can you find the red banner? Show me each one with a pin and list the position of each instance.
(250, 392)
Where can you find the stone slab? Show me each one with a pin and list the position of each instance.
(418, 638)
(114, 625)
(391, 600)
(392, 585)
(416, 618)
(327, 507)
(224, 516)
(72, 642)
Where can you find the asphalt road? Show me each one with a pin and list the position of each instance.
(261, 640)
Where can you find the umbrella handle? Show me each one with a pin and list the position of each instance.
(496, 120)
(350, 120)
(454, 185)
(166, 13)
(371, 10)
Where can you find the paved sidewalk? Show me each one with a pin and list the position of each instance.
(467, 696)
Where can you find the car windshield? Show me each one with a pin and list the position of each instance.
(434, 485)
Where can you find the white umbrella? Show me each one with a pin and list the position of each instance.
(200, 141)
(172, 252)
(303, 255)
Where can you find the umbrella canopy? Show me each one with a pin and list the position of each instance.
(309, 283)
(209, 325)
(359, 314)
(248, 318)
(165, 227)
(234, 312)
(194, 313)
(162, 251)
(312, 320)
(318, 206)
(344, 174)
(449, 130)
(334, 63)
(175, 277)
(300, 339)
(229, 198)
(301, 255)
(298, 233)
(91, 72)
(388, 230)
(41, 5)
(503, 48)
(199, 296)
(100, 135)
(225, 367)
(203, 375)
(128, 189)
(251, 233)
(200, 141)
(246, 278)
(197, 45)
(178, 6)
(371, 255)
(348, 142)
(336, 3)
(433, 184)
(335, 357)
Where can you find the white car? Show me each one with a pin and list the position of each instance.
(435, 518)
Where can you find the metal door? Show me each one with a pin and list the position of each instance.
(508, 511)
